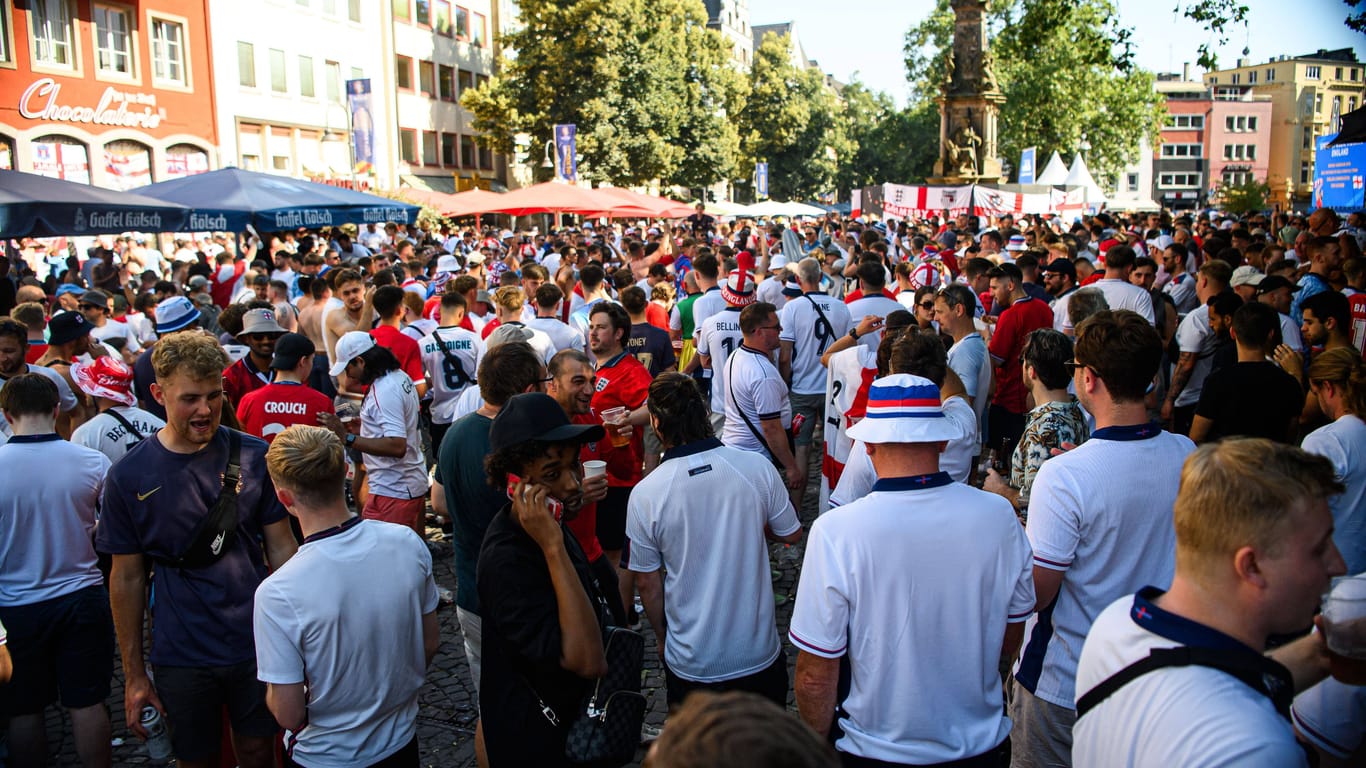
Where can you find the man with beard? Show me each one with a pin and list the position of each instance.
(348, 289)
(253, 371)
(157, 505)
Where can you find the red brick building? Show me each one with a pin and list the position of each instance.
(116, 94)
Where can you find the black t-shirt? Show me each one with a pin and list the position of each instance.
(652, 347)
(1251, 400)
(521, 647)
(701, 223)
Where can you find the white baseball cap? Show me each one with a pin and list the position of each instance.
(350, 346)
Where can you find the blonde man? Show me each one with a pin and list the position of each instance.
(1254, 554)
(154, 501)
(381, 602)
(508, 303)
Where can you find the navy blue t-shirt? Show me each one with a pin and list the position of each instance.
(143, 376)
(153, 501)
(652, 347)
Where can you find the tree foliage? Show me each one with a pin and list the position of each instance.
(1240, 199)
(889, 144)
(1065, 68)
(645, 82)
(793, 122)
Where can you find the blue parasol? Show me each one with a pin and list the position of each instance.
(38, 206)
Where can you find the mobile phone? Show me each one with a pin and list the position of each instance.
(556, 507)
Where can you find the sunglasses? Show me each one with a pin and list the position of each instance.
(927, 305)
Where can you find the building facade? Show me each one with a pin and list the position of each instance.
(1304, 91)
(1180, 169)
(116, 94)
(731, 19)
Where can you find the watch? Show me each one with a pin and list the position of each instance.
(853, 334)
(350, 439)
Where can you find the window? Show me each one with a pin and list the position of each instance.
(353, 10)
(485, 158)
(403, 74)
(1131, 182)
(168, 51)
(1240, 123)
(1308, 141)
(407, 145)
(1179, 180)
(306, 77)
(446, 83)
(1238, 178)
(1182, 150)
(1352, 74)
(1252, 77)
(246, 65)
(1337, 73)
(51, 21)
(280, 163)
(6, 56)
(1304, 173)
(1337, 104)
(479, 30)
(441, 15)
(466, 78)
(113, 41)
(1183, 122)
(480, 81)
(466, 152)
(1318, 103)
(1270, 74)
(278, 82)
(1240, 151)
(1311, 73)
(334, 85)
(426, 77)
(424, 12)
(1351, 103)
(429, 150)
(1237, 78)
(450, 144)
(402, 12)
(462, 23)
(127, 164)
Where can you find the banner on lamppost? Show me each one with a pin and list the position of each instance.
(362, 124)
(761, 179)
(1026, 174)
(565, 136)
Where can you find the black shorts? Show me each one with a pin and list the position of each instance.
(62, 646)
(194, 698)
(769, 682)
(612, 519)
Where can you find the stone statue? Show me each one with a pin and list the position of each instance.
(969, 102)
(964, 152)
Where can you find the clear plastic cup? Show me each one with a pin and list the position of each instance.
(1344, 629)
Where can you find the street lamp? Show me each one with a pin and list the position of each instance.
(330, 134)
(547, 163)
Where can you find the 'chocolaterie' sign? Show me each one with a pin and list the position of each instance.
(42, 101)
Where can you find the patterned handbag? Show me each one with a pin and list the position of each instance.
(607, 729)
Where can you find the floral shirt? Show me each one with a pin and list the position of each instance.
(1049, 426)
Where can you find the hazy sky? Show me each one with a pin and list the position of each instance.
(866, 36)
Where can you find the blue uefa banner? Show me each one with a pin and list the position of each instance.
(362, 124)
(761, 179)
(1339, 175)
(565, 136)
(1026, 174)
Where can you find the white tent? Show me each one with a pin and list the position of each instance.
(1079, 176)
(1054, 173)
(775, 208)
(726, 208)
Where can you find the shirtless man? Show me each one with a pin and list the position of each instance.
(350, 289)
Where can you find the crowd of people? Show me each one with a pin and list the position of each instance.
(1083, 486)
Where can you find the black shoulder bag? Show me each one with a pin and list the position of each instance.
(217, 531)
(1263, 675)
(730, 384)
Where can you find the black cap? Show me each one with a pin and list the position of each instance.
(1272, 282)
(1061, 267)
(536, 416)
(66, 327)
(290, 349)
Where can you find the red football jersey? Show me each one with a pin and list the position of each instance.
(584, 526)
(242, 377)
(272, 409)
(404, 348)
(622, 382)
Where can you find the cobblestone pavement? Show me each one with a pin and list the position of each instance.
(447, 709)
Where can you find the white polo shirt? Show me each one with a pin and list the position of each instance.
(561, 336)
(1102, 513)
(719, 336)
(450, 374)
(390, 409)
(1191, 715)
(810, 336)
(874, 304)
(1343, 442)
(752, 386)
(968, 357)
(1332, 716)
(353, 592)
(1119, 294)
(1195, 335)
(700, 515)
(915, 584)
(858, 476)
(106, 434)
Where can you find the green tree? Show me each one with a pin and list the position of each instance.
(888, 144)
(640, 78)
(1239, 199)
(1065, 69)
(792, 121)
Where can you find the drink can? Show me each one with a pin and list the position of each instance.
(158, 742)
